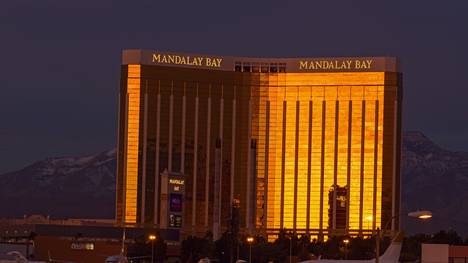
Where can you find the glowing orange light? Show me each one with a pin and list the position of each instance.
(425, 216)
(421, 214)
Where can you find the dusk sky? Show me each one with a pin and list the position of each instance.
(59, 69)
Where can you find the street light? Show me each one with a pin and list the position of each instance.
(250, 240)
(152, 238)
(421, 214)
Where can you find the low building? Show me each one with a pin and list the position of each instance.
(443, 253)
(75, 240)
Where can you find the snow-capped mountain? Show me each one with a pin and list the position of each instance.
(434, 179)
(61, 187)
(75, 187)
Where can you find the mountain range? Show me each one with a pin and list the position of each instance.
(62, 187)
(433, 179)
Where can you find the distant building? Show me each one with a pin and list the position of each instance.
(307, 144)
(46, 220)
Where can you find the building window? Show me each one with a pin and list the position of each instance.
(238, 66)
(259, 67)
(246, 67)
(255, 67)
(273, 68)
(282, 67)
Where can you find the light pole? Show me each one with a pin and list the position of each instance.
(346, 242)
(250, 240)
(290, 246)
(290, 250)
(152, 238)
(416, 214)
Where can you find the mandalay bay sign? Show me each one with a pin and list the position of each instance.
(291, 65)
(346, 64)
(188, 60)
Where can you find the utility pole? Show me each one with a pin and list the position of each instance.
(377, 246)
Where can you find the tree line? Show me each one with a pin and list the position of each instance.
(231, 246)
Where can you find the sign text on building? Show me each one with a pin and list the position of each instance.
(350, 64)
(187, 60)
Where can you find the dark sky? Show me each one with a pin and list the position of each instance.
(59, 60)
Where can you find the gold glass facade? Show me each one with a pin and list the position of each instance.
(302, 144)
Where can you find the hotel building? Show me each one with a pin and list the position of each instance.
(310, 145)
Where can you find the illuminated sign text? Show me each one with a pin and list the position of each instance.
(335, 64)
(176, 181)
(188, 60)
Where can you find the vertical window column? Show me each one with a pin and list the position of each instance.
(361, 187)
(195, 162)
(132, 143)
(322, 170)
(395, 188)
(283, 156)
(348, 166)
(266, 178)
(355, 223)
(207, 164)
(376, 151)
(316, 161)
(233, 148)
(335, 164)
(171, 121)
(248, 198)
(309, 165)
(145, 148)
(156, 169)
(182, 144)
(296, 157)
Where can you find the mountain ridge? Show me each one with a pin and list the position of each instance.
(61, 187)
(433, 178)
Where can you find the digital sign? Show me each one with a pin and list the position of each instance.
(175, 199)
(176, 185)
(175, 220)
(175, 202)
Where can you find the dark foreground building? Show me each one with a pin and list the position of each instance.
(77, 240)
(307, 144)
